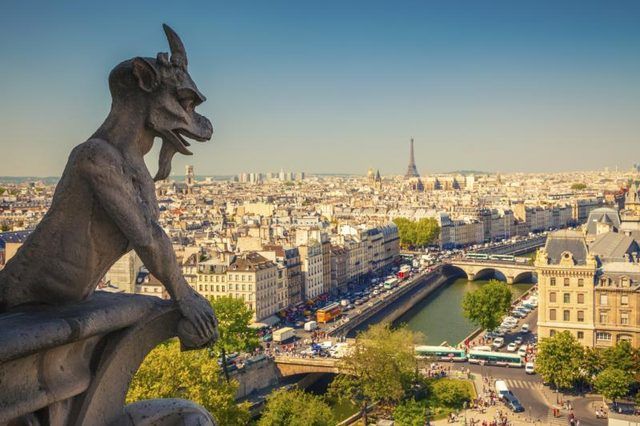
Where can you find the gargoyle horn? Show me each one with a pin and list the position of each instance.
(178, 53)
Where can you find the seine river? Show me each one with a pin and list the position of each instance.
(439, 316)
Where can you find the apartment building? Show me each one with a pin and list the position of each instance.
(590, 284)
(312, 269)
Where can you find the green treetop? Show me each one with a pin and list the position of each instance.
(296, 408)
(380, 367)
(613, 383)
(487, 306)
(235, 335)
(560, 360)
(194, 375)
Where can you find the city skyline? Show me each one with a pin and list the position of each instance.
(339, 89)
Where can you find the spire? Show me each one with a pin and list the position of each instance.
(412, 170)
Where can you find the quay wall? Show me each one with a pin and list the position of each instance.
(396, 304)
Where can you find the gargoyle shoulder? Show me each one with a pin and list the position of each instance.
(95, 156)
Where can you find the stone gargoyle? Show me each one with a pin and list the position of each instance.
(105, 205)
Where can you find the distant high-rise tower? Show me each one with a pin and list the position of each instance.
(189, 178)
(412, 171)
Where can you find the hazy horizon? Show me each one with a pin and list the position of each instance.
(337, 88)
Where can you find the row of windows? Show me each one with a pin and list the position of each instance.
(603, 317)
(566, 297)
(604, 299)
(601, 336)
(566, 282)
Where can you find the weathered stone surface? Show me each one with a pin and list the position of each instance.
(67, 355)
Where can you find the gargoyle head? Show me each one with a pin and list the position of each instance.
(162, 89)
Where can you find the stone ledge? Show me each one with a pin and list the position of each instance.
(38, 328)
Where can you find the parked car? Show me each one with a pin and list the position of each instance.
(524, 328)
(523, 350)
(512, 347)
(498, 342)
(518, 341)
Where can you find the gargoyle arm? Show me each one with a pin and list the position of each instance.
(101, 165)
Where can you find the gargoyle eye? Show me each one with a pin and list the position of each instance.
(187, 103)
(188, 99)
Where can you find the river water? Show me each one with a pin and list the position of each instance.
(439, 316)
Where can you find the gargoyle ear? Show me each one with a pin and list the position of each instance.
(146, 74)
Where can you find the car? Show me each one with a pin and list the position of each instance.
(512, 347)
(498, 342)
(518, 314)
(529, 368)
(518, 341)
(524, 328)
(512, 402)
(523, 350)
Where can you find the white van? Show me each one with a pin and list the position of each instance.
(501, 388)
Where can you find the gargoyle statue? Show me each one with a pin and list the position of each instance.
(105, 203)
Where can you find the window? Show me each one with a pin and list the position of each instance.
(552, 281)
(566, 282)
(581, 298)
(552, 297)
(604, 299)
(580, 282)
(624, 299)
(604, 317)
(603, 336)
(580, 316)
(566, 315)
(552, 314)
(566, 298)
(580, 334)
(624, 318)
(552, 333)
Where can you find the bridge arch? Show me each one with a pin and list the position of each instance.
(527, 276)
(490, 273)
(453, 271)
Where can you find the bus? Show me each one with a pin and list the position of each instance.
(328, 313)
(390, 283)
(495, 358)
(442, 353)
(477, 256)
(508, 257)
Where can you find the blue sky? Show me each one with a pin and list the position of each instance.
(340, 86)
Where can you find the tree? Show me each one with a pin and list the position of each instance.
(613, 383)
(622, 356)
(560, 360)
(417, 234)
(451, 393)
(411, 413)
(486, 306)
(578, 186)
(296, 408)
(194, 375)
(235, 335)
(380, 367)
(427, 231)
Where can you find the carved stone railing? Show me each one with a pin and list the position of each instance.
(72, 365)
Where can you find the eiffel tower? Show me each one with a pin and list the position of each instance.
(412, 171)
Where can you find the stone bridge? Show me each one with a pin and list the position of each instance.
(291, 366)
(511, 272)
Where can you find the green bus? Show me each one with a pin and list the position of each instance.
(441, 353)
(495, 358)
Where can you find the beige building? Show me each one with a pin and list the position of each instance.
(312, 269)
(591, 290)
(248, 276)
(124, 272)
